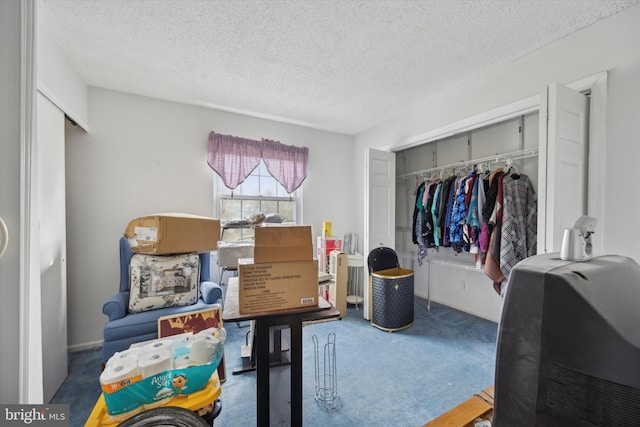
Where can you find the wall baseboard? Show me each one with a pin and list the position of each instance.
(85, 346)
(464, 309)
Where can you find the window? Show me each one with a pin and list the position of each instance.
(260, 192)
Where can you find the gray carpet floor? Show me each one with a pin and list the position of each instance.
(403, 378)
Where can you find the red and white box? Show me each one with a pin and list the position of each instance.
(324, 246)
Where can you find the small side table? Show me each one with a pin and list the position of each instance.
(355, 279)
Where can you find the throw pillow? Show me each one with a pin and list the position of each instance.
(158, 281)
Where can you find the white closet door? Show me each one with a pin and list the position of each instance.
(53, 248)
(562, 185)
(379, 208)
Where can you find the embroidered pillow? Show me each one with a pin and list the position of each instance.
(158, 281)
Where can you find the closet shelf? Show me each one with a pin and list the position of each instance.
(456, 265)
(515, 155)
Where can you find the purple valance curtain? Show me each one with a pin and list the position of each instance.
(286, 163)
(234, 158)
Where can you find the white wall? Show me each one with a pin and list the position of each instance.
(144, 156)
(607, 45)
(58, 80)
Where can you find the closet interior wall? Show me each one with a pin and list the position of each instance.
(445, 276)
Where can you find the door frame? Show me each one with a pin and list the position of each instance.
(30, 387)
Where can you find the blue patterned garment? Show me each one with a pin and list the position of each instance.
(458, 216)
(418, 225)
(447, 215)
(422, 246)
(472, 215)
(419, 198)
(435, 206)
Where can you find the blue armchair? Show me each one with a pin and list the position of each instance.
(124, 328)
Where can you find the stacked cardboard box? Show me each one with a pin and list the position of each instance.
(283, 274)
(173, 233)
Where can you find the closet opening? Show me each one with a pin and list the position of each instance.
(453, 275)
(448, 278)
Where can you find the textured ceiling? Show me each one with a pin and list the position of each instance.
(337, 65)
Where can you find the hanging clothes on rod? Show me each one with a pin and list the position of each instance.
(488, 208)
(519, 223)
(457, 213)
(418, 221)
(492, 259)
(443, 219)
(428, 225)
(491, 215)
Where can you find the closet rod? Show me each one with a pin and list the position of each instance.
(515, 155)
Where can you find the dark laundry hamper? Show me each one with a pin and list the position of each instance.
(392, 291)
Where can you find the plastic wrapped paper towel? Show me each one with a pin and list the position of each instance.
(158, 345)
(130, 353)
(205, 344)
(151, 374)
(155, 362)
(202, 350)
(183, 361)
(151, 364)
(117, 375)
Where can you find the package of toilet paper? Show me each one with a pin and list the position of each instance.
(152, 373)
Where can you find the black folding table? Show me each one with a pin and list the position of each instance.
(265, 324)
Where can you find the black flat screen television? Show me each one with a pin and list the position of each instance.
(568, 350)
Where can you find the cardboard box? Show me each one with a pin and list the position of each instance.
(173, 233)
(276, 244)
(277, 286)
(338, 268)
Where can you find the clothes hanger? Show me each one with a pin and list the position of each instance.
(508, 164)
(511, 169)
